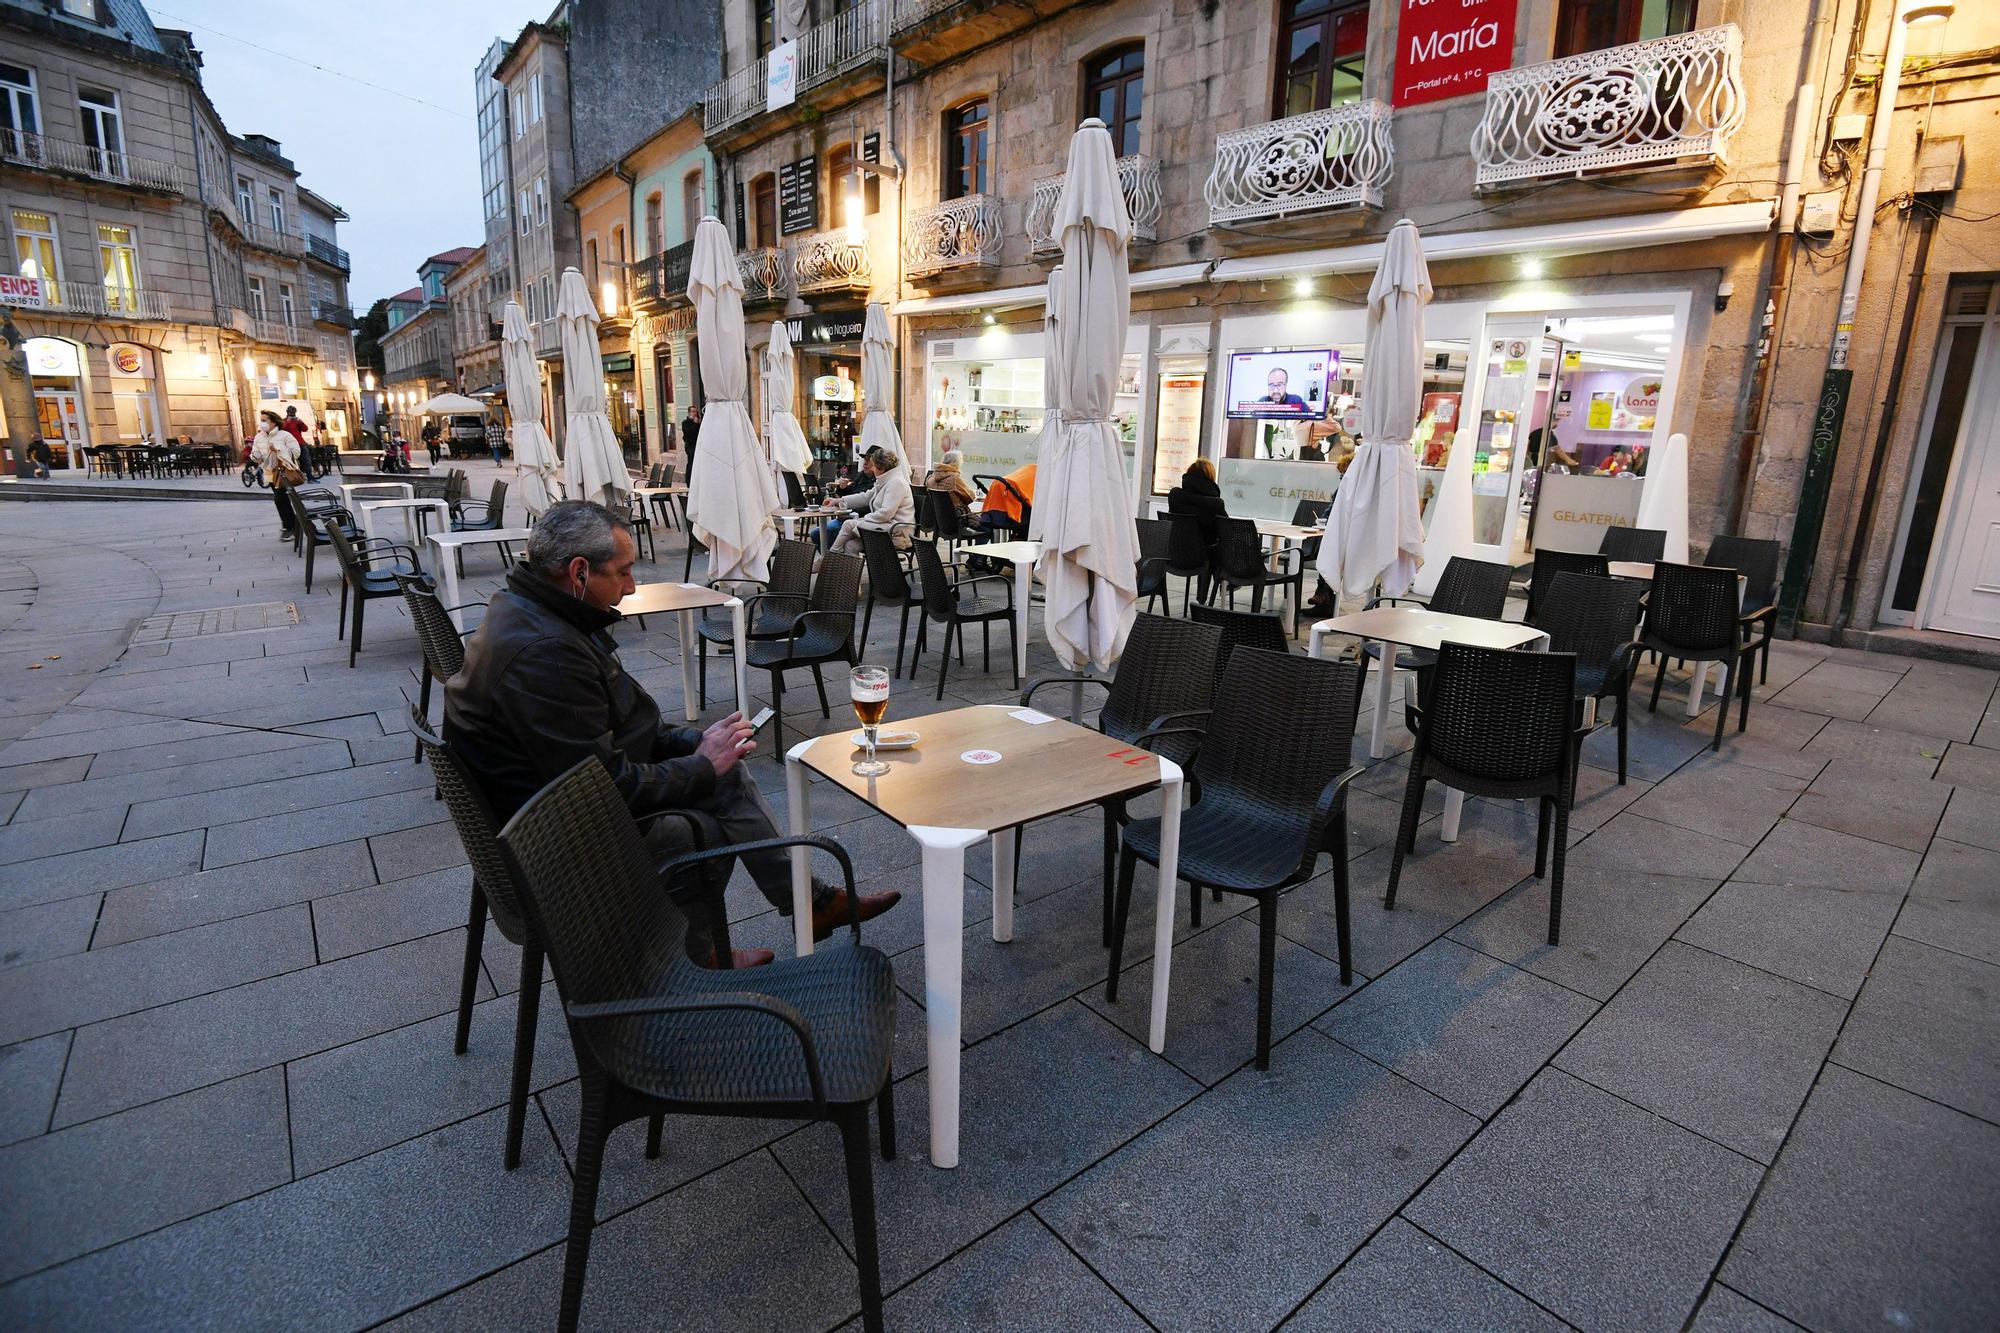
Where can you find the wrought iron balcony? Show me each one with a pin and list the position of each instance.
(1341, 157)
(329, 313)
(318, 247)
(765, 274)
(102, 302)
(827, 261)
(38, 151)
(1663, 102)
(826, 51)
(660, 280)
(1138, 178)
(953, 237)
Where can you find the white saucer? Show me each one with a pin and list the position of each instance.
(887, 740)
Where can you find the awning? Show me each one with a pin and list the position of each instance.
(1019, 298)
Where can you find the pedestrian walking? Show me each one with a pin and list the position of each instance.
(40, 457)
(690, 428)
(429, 435)
(277, 452)
(496, 439)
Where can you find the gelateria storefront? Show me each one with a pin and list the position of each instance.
(1561, 401)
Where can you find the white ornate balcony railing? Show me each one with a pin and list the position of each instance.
(764, 272)
(90, 298)
(827, 261)
(1138, 177)
(826, 51)
(1341, 157)
(956, 234)
(1662, 101)
(76, 159)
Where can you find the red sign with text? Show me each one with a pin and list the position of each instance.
(1448, 48)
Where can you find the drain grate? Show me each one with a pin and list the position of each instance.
(238, 619)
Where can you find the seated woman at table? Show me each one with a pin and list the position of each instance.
(888, 505)
(947, 479)
(1198, 494)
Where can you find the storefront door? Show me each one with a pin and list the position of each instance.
(1966, 599)
(60, 413)
(1520, 361)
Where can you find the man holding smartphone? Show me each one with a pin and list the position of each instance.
(542, 688)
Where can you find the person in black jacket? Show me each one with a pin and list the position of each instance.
(542, 688)
(1199, 494)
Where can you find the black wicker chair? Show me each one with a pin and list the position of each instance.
(364, 576)
(1596, 619)
(1548, 564)
(640, 516)
(806, 1038)
(1633, 544)
(1165, 682)
(888, 581)
(1242, 629)
(1240, 563)
(791, 575)
(821, 631)
(307, 515)
(1155, 562)
(443, 643)
(1466, 588)
(1271, 776)
(1756, 560)
(955, 605)
(1188, 556)
(950, 523)
(1500, 723)
(1691, 614)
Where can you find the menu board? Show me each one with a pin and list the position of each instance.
(1177, 441)
(798, 196)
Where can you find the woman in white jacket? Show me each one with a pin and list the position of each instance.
(268, 450)
(889, 507)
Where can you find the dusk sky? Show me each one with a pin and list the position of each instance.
(406, 172)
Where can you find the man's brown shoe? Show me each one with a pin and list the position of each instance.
(742, 958)
(832, 914)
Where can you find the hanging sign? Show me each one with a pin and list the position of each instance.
(798, 196)
(126, 361)
(781, 76)
(1448, 48)
(833, 389)
(20, 291)
(871, 146)
(51, 356)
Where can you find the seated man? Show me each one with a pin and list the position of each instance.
(542, 688)
(886, 506)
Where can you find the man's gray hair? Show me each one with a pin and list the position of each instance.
(570, 529)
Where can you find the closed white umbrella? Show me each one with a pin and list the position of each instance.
(1090, 540)
(878, 384)
(788, 443)
(593, 465)
(1450, 531)
(1376, 529)
(1052, 363)
(535, 467)
(1664, 502)
(730, 490)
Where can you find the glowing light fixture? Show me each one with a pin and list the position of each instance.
(1928, 13)
(369, 382)
(609, 302)
(990, 319)
(271, 372)
(850, 211)
(1532, 267)
(1302, 288)
(332, 378)
(249, 367)
(202, 364)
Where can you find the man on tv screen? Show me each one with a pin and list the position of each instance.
(1277, 391)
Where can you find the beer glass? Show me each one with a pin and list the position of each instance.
(868, 687)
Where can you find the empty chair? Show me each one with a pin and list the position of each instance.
(1155, 562)
(956, 604)
(1691, 614)
(1641, 544)
(795, 494)
(1159, 701)
(1756, 561)
(1242, 629)
(807, 1038)
(888, 581)
(443, 646)
(1271, 776)
(368, 570)
(1240, 563)
(306, 518)
(790, 589)
(821, 631)
(1550, 563)
(1596, 620)
(1497, 722)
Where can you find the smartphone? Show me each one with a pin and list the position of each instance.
(757, 722)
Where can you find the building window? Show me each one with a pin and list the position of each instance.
(590, 262)
(1322, 47)
(656, 224)
(256, 286)
(618, 245)
(692, 203)
(118, 255)
(965, 149)
(1593, 25)
(541, 201)
(276, 202)
(767, 27)
(534, 99)
(285, 307)
(520, 116)
(246, 202)
(19, 114)
(35, 249)
(99, 111)
(527, 213)
(1114, 92)
(764, 210)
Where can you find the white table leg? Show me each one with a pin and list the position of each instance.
(690, 690)
(1318, 637)
(739, 631)
(447, 569)
(1454, 806)
(1163, 904)
(1003, 886)
(944, 977)
(797, 781)
(1024, 584)
(1378, 745)
(1696, 686)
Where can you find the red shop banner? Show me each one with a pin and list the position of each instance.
(1448, 48)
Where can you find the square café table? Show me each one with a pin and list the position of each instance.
(449, 544)
(684, 599)
(947, 804)
(1022, 556)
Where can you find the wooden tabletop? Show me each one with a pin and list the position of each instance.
(659, 598)
(1018, 552)
(1270, 527)
(659, 490)
(1420, 627)
(1044, 769)
(402, 504)
(1633, 569)
(479, 535)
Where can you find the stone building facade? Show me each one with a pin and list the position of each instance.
(541, 163)
(1608, 207)
(189, 280)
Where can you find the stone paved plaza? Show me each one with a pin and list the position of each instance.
(1757, 1086)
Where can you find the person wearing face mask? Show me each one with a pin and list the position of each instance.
(543, 688)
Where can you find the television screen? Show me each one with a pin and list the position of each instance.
(1281, 386)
